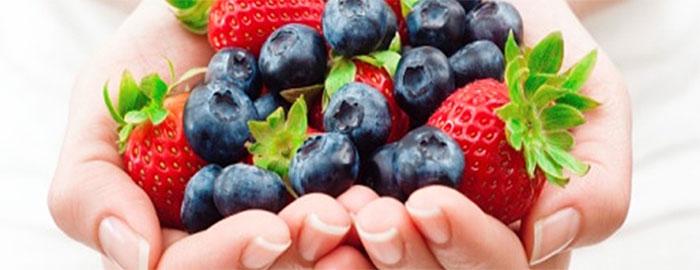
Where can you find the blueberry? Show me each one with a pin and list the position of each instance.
(478, 60)
(356, 27)
(378, 173)
(493, 21)
(216, 122)
(293, 56)
(268, 103)
(242, 187)
(423, 80)
(235, 67)
(427, 156)
(326, 163)
(437, 23)
(468, 5)
(198, 211)
(362, 113)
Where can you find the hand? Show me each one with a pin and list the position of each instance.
(95, 202)
(440, 228)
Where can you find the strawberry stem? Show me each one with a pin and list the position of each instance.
(193, 14)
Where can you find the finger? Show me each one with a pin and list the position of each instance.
(318, 224)
(391, 240)
(343, 257)
(357, 197)
(590, 208)
(91, 198)
(170, 236)
(249, 240)
(460, 235)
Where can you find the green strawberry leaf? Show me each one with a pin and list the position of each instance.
(548, 55)
(578, 74)
(389, 60)
(157, 114)
(276, 140)
(580, 102)
(395, 45)
(407, 6)
(130, 95)
(369, 60)
(124, 134)
(342, 72)
(544, 105)
(110, 107)
(561, 116)
(136, 117)
(154, 87)
(192, 14)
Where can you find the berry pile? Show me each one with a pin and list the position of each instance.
(460, 105)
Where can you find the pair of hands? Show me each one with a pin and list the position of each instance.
(95, 202)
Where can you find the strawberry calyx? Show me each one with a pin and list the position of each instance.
(142, 102)
(343, 70)
(407, 6)
(192, 14)
(277, 139)
(545, 105)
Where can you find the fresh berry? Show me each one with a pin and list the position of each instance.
(516, 135)
(267, 104)
(423, 79)
(155, 150)
(360, 112)
(425, 156)
(327, 163)
(215, 121)
(242, 187)
(358, 27)
(235, 67)
(198, 209)
(468, 5)
(316, 113)
(437, 23)
(247, 23)
(478, 60)
(293, 56)
(493, 21)
(395, 6)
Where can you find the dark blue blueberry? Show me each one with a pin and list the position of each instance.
(216, 122)
(427, 156)
(423, 80)
(235, 67)
(198, 211)
(478, 60)
(356, 27)
(378, 173)
(493, 21)
(437, 23)
(268, 103)
(242, 187)
(293, 56)
(468, 5)
(326, 163)
(362, 113)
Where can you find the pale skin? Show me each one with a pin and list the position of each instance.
(90, 185)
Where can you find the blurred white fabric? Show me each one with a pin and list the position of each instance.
(43, 43)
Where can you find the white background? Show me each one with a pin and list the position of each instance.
(655, 43)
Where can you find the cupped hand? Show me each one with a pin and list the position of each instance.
(94, 201)
(438, 227)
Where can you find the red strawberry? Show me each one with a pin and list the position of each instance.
(248, 23)
(156, 153)
(516, 135)
(403, 30)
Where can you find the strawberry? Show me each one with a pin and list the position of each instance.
(155, 150)
(516, 135)
(248, 23)
(396, 6)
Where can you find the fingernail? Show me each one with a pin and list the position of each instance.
(260, 253)
(554, 234)
(431, 222)
(123, 245)
(315, 235)
(386, 246)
